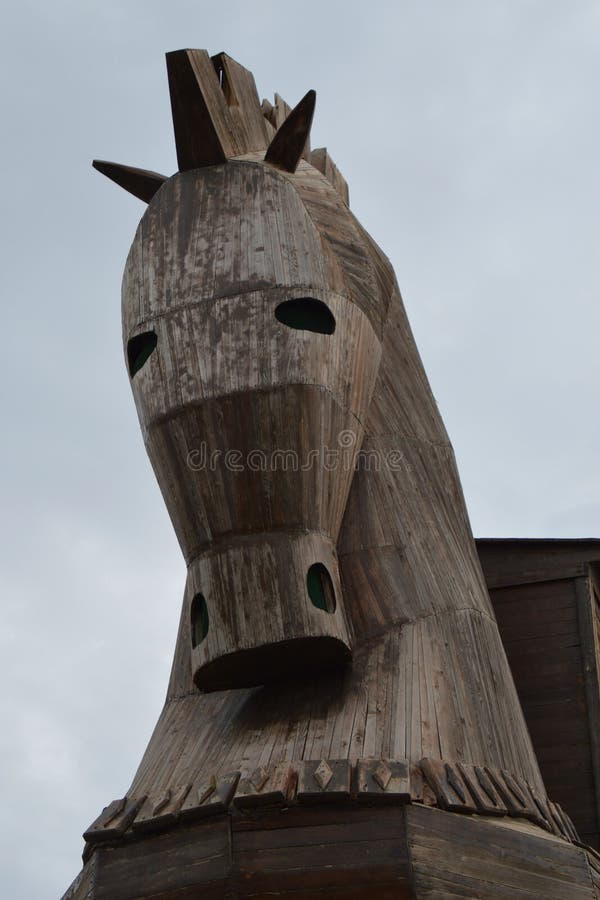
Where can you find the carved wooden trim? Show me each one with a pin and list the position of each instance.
(157, 813)
(383, 780)
(209, 796)
(114, 820)
(324, 780)
(454, 786)
(266, 787)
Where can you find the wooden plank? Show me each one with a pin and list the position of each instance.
(594, 865)
(383, 780)
(448, 785)
(81, 887)
(162, 811)
(114, 820)
(512, 562)
(265, 787)
(460, 856)
(324, 780)
(324, 854)
(517, 797)
(540, 627)
(590, 651)
(482, 790)
(199, 111)
(239, 88)
(166, 865)
(279, 112)
(142, 183)
(209, 796)
(322, 161)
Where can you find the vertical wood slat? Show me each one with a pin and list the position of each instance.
(199, 111)
(541, 630)
(244, 110)
(322, 161)
(590, 651)
(212, 121)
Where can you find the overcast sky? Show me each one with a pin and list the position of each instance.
(468, 133)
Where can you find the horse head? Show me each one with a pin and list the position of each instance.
(253, 309)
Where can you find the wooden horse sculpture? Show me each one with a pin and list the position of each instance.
(339, 693)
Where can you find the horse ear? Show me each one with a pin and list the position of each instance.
(139, 182)
(288, 145)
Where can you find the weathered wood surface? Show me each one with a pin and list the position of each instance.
(455, 787)
(427, 710)
(395, 703)
(548, 624)
(321, 853)
(82, 887)
(539, 627)
(590, 652)
(405, 548)
(594, 863)
(139, 182)
(507, 561)
(461, 857)
(289, 391)
(289, 142)
(329, 850)
(216, 113)
(322, 161)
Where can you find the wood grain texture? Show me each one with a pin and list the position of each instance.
(455, 856)
(548, 628)
(322, 161)
(199, 110)
(165, 865)
(332, 848)
(139, 182)
(323, 853)
(290, 393)
(288, 144)
(426, 712)
(216, 113)
(82, 887)
(590, 652)
(407, 695)
(594, 864)
(507, 561)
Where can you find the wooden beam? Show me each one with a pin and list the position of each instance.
(322, 161)
(244, 111)
(590, 654)
(197, 105)
(141, 183)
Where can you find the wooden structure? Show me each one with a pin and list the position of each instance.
(546, 596)
(341, 718)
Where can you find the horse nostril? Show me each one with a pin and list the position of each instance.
(320, 588)
(306, 314)
(139, 349)
(199, 616)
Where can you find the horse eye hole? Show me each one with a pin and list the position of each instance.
(306, 314)
(139, 349)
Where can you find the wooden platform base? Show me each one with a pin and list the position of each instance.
(399, 852)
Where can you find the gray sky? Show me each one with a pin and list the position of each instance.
(468, 133)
